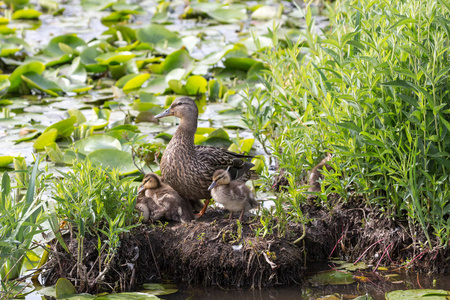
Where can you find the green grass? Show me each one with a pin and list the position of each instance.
(372, 90)
(99, 203)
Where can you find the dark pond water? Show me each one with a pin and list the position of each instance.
(376, 289)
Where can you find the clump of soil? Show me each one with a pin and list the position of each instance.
(213, 251)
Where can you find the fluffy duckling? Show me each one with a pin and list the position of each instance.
(189, 168)
(168, 203)
(316, 175)
(234, 195)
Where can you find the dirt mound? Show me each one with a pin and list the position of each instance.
(212, 251)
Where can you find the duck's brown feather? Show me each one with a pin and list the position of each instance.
(189, 168)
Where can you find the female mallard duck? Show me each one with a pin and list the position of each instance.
(234, 195)
(189, 168)
(162, 201)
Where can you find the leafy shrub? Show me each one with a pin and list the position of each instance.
(95, 202)
(373, 90)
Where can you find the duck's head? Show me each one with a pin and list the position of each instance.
(180, 107)
(150, 181)
(220, 177)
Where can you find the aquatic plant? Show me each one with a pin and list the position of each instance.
(21, 221)
(372, 89)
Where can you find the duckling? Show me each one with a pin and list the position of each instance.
(234, 195)
(188, 168)
(316, 175)
(147, 207)
(168, 203)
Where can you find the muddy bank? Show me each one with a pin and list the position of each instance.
(212, 251)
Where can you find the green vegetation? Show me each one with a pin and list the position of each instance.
(95, 202)
(369, 86)
(22, 217)
(372, 90)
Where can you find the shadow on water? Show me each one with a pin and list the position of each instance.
(376, 289)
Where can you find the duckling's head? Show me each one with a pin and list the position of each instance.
(220, 177)
(150, 181)
(181, 107)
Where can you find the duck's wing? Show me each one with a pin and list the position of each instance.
(217, 158)
(202, 148)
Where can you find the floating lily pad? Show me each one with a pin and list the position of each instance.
(158, 35)
(228, 15)
(64, 288)
(135, 82)
(6, 160)
(80, 118)
(69, 157)
(239, 63)
(196, 85)
(97, 123)
(35, 80)
(259, 163)
(54, 152)
(332, 277)
(96, 142)
(123, 135)
(54, 47)
(178, 59)
(160, 289)
(353, 267)
(115, 57)
(428, 294)
(26, 14)
(244, 146)
(114, 159)
(125, 296)
(16, 77)
(46, 139)
(64, 127)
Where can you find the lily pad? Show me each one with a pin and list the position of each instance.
(115, 57)
(96, 142)
(258, 161)
(124, 296)
(159, 36)
(64, 127)
(135, 82)
(114, 159)
(428, 294)
(97, 123)
(46, 139)
(160, 289)
(16, 77)
(178, 59)
(64, 288)
(34, 80)
(228, 15)
(332, 277)
(26, 14)
(244, 146)
(54, 47)
(6, 160)
(69, 157)
(196, 85)
(239, 63)
(80, 118)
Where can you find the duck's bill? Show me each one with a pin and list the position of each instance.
(212, 185)
(140, 189)
(164, 114)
